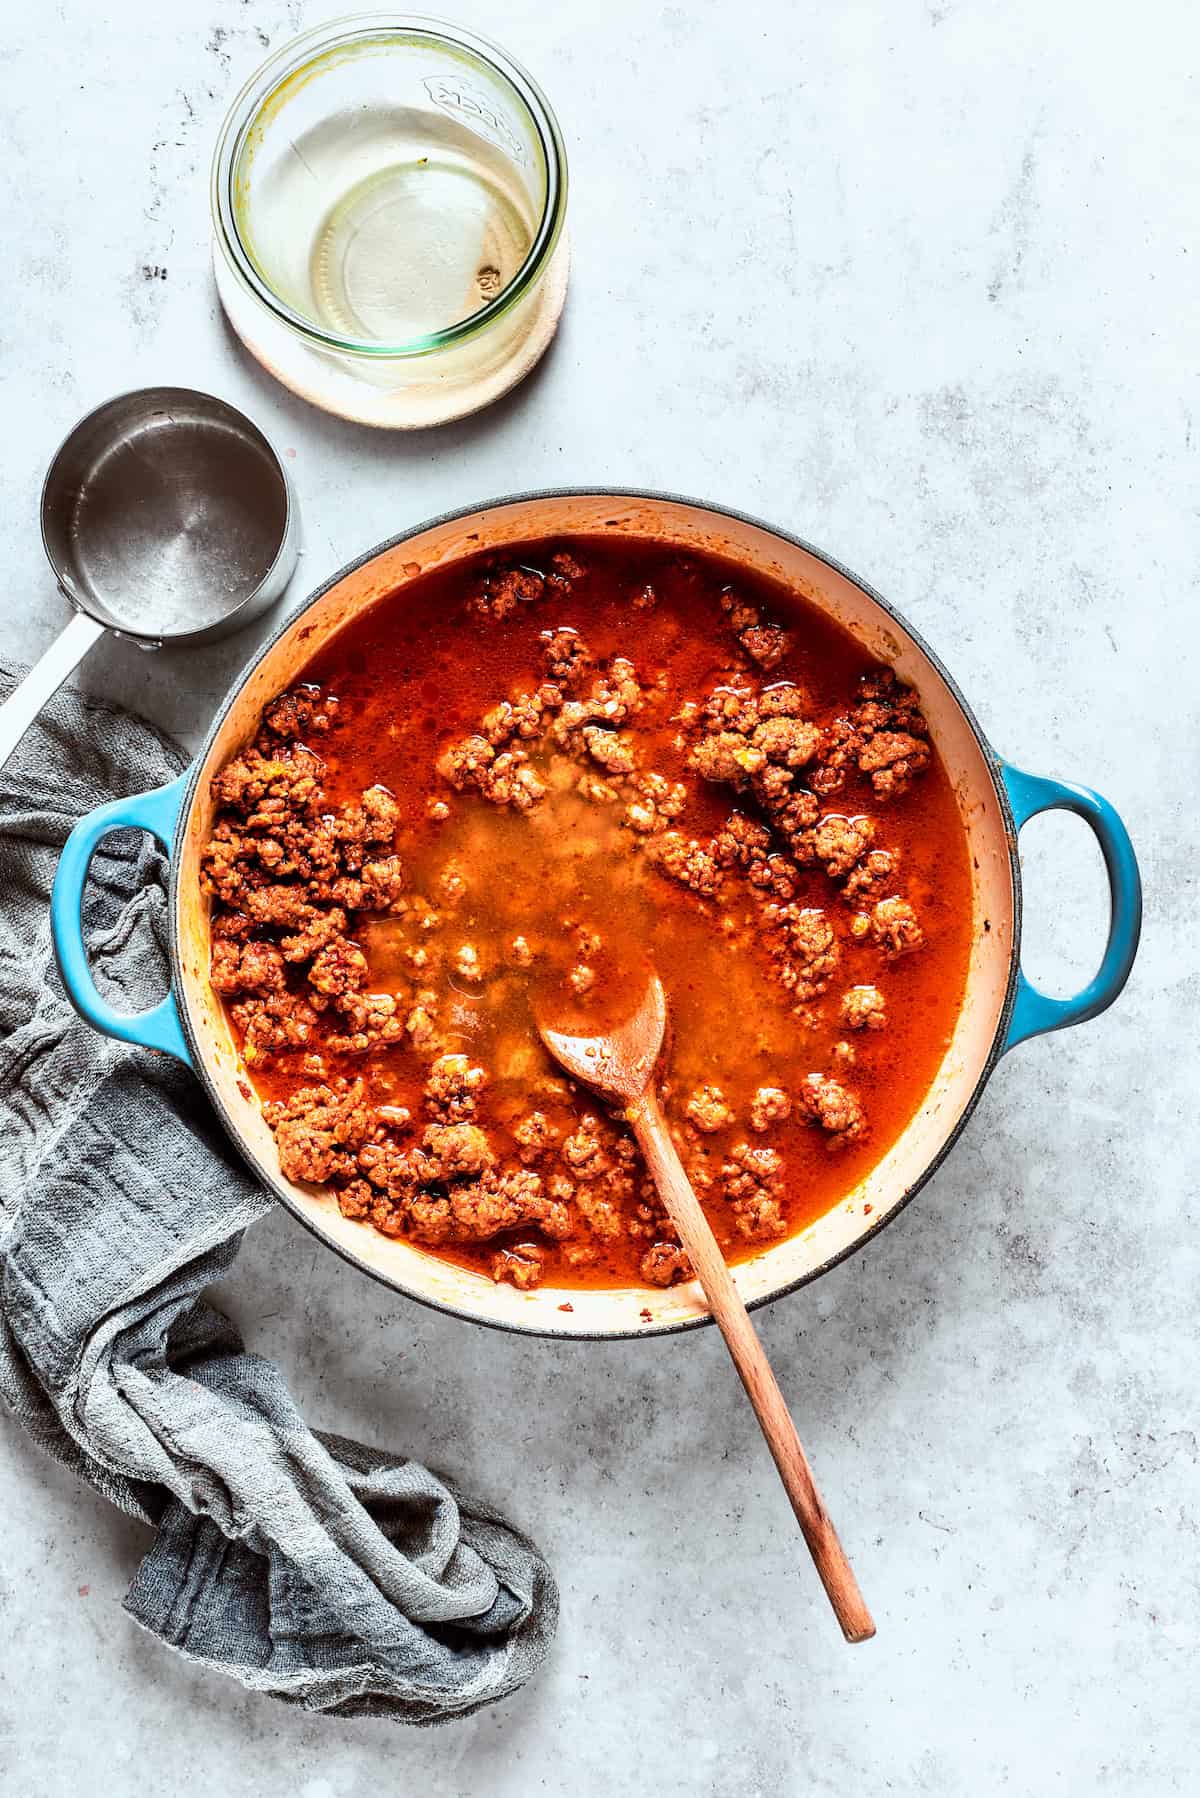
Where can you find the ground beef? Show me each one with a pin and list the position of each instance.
(839, 843)
(883, 736)
(340, 967)
(612, 749)
(895, 928)
(508, 588)
(520, 1266)
(685, 860)
(657, 802)
(803, 948)
(535, 1136)
(770, 1105)
(457, 1149)
(318, 1129)
(726, 756)
(707, 1110)
(272, 1025)
(584, 1150)
(876, 869)
(862, 1008)
(752, 1181)
(664, 1263)
(365, 1021)
(836, 1110)
(567, 657)
(453, 1089)
(303, 711)
(248, 967)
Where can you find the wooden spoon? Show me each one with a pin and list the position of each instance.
(619, 1065)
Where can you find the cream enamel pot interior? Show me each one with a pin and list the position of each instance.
(1000, 1007)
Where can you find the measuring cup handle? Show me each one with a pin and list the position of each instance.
(157, 812)
(44, 678)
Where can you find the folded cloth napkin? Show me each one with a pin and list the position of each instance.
(333, 1576)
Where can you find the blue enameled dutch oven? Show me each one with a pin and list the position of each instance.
(1000, 1010)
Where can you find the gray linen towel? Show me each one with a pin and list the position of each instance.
(333, 1576)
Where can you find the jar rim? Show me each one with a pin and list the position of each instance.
(310, 47)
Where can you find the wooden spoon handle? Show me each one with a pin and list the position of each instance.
(695, 1233)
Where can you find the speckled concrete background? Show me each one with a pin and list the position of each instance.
(913, 280)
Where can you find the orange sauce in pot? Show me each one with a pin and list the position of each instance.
(417, 672)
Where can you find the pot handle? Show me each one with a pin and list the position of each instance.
(1034, 1013)
(157, 812)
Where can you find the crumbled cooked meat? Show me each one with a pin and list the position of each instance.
(600, 1202)
(456, 1149)
(370, 1020)
(421, 1022)
(476, 1209)
(790, 742)
(278, 1022)
(685, 860)
(893, 759)
(837, 1110)
(611, 748)
(258, 785)
(467, 963)
(299, 711)
(895, 928)
(251, 967)
(883, 735)
(726, 756)
(566, 568)
(521, 1266)
(658, 801)
(802, 943)
(752, 1181)
(317, 1131)
(770, 1105)
(600, 792)
(840, 842)
(615, 695)
(744, 843)
(581, 978)
(521, 952)
(862, 1008)
(765, 644)
(465, 763)
(453, 1088)
(452, 884)
(340, 967)
(378, 886)
(876, 869)
(567, 657)
(522, 717)
(534, 1136)
(707, 1110)
(845, 1054)
(583, 1151)
(372, 821)
(664, 1263)
(503, 591)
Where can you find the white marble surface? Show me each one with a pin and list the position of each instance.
(918, 281)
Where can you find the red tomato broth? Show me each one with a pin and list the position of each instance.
(419, 668)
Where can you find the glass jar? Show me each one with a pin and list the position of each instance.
(388, 197)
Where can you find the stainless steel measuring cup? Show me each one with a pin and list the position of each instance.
(167, 518)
